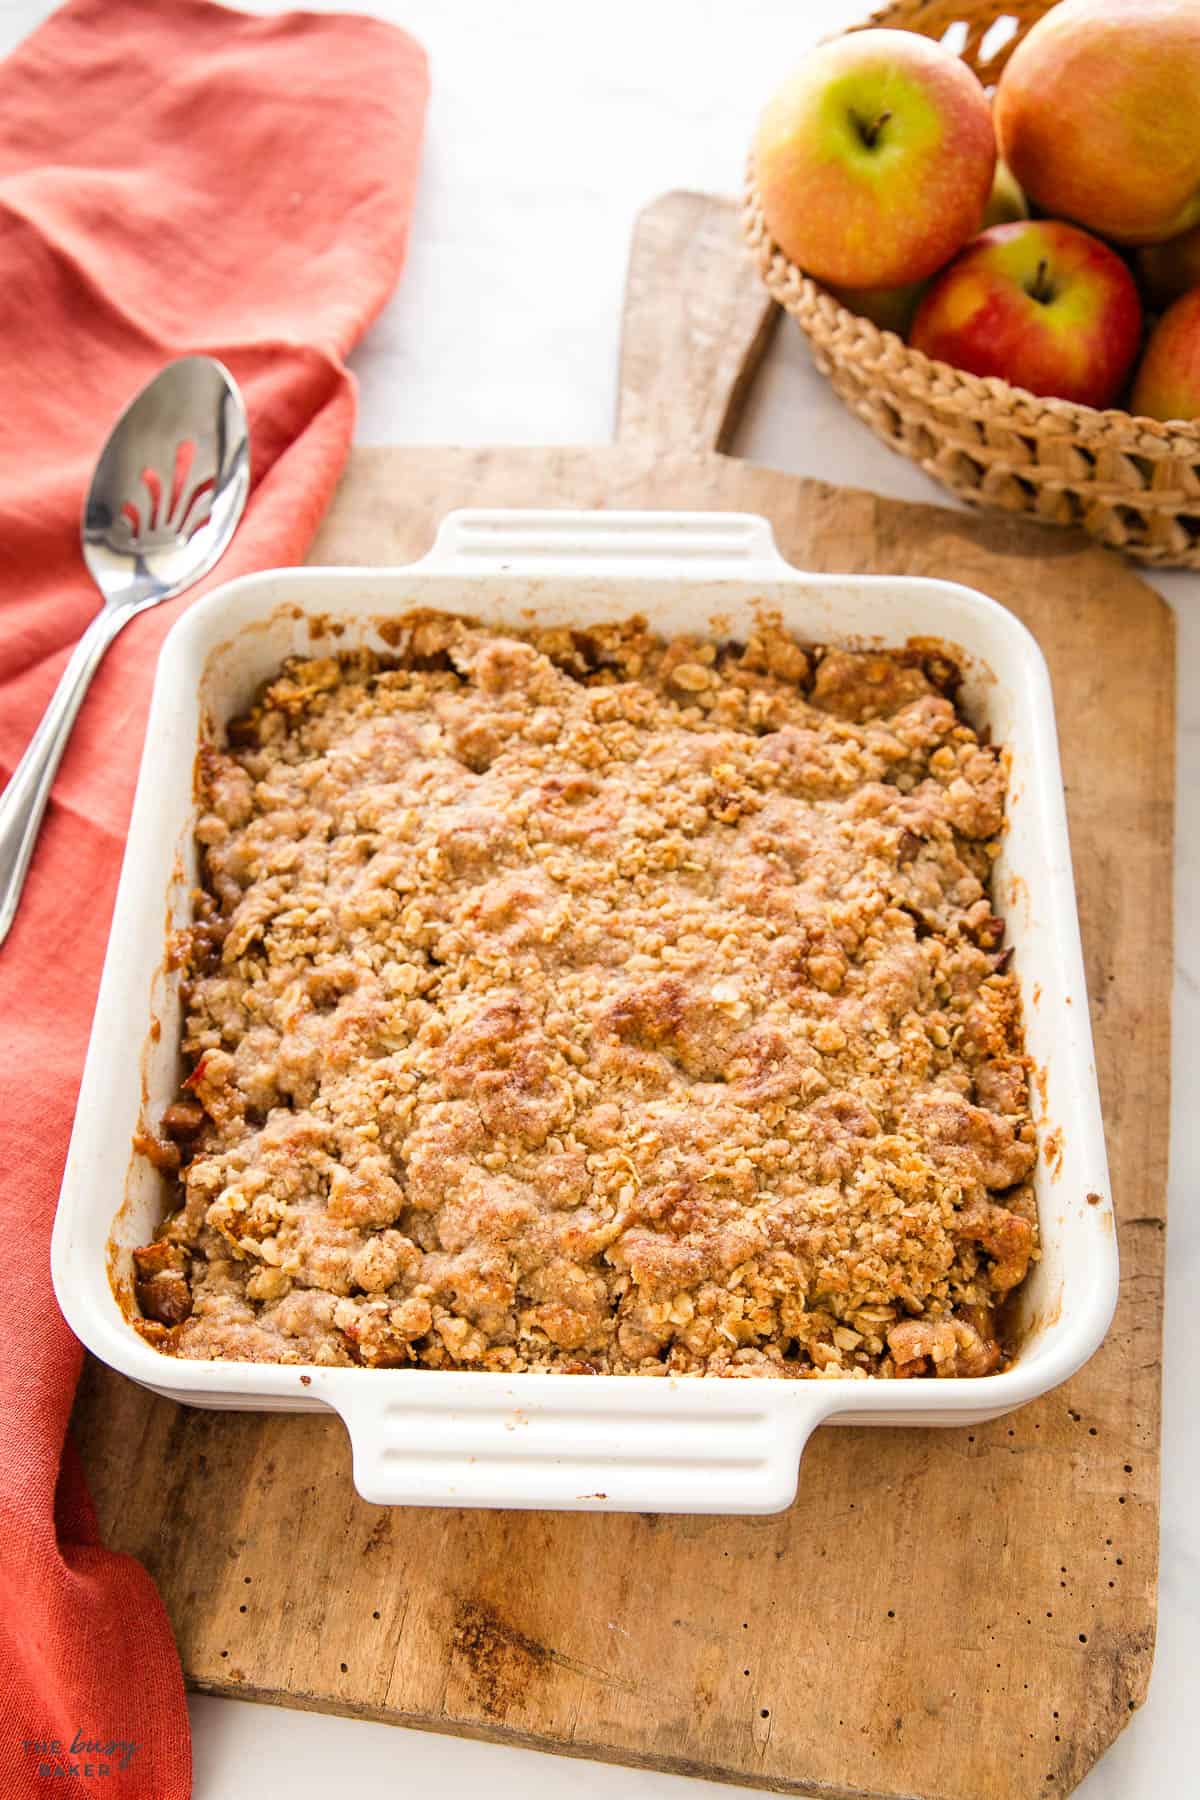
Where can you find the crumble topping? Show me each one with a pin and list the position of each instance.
(575, 1000)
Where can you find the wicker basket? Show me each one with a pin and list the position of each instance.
(1133, 483)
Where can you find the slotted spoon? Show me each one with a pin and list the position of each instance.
(165, 500)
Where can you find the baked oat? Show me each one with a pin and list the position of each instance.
(579, 1001)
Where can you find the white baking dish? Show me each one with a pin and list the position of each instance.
(621, 1442)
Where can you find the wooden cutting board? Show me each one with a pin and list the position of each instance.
(957, 1615)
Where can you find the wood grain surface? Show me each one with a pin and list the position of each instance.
(956, 1615)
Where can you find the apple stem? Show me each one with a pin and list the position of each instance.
(1041, 289)
(871, 132)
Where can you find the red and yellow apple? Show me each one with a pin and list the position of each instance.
(1170, 269)
(1167, 384)
(1098, 116)
(1040, 304)
(874, 161)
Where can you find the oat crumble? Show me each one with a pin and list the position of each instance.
(579, 1001)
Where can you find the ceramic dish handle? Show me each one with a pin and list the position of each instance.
(663, 1447)
(497, 541)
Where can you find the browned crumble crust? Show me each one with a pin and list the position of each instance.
(577, 1001)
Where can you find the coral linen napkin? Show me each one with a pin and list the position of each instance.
(174, 177)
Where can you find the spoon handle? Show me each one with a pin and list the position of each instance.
(24, 799)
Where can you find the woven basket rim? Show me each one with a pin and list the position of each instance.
(918, 372)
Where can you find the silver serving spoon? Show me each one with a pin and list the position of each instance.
(165, 500)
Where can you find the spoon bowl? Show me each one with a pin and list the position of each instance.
(170, 484)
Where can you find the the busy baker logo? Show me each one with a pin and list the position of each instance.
(89, 1756)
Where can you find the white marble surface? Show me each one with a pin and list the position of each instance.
(551, 123)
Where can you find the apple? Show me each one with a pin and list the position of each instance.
(874, 161)
(1167, 385)
(1098, 116)
(1006, 202)
(891, 309)
(1169, 270)
(1039, 303)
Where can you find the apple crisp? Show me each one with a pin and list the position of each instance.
(573, 1000)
